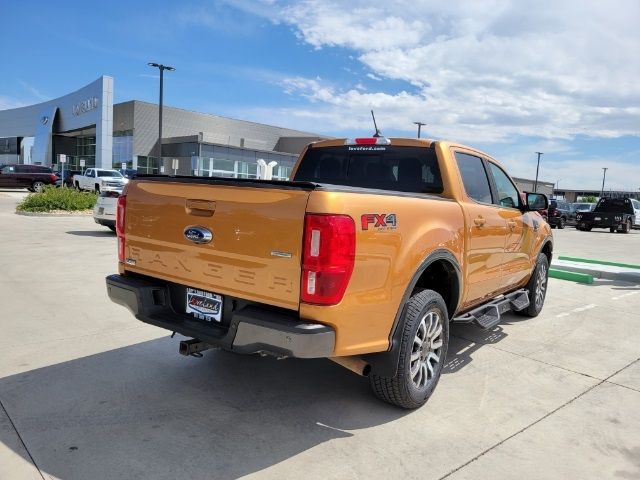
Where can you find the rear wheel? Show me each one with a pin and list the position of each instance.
(627, 226)
(562, 222)
(97, 189)
(423, 350)
(537, 287)
(37, 186)
(612, 229)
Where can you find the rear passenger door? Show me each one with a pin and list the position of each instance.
(24, 176)
(485, 230)
(519, 237)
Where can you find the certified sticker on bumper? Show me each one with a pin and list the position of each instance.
(204, 305)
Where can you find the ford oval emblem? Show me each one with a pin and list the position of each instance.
(198, 234)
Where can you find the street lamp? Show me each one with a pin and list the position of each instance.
(420, 125)
(162, 68)
(535, 186)
(604, 175)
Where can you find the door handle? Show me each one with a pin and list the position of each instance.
(479, 222)
(200, 208)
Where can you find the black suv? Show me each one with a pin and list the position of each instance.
(559, 212)
(32, 177)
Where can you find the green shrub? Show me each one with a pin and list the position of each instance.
(52, 198)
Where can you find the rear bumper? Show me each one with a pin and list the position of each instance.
(251, 329)
(107, 222)
(599, 224)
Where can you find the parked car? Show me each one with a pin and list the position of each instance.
(616, 214)
(104, 213)
(128, 172)
(581, 207)
(558, 213)
(99, 180)
(636, 213)
(365, 257)
(68, 178)
(31, 177)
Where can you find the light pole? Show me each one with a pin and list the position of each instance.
(604, 175)
(558, 183)
(420, 125)
(162, 68)
(535, 186)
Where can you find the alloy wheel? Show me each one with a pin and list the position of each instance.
(426, 349)
(541, 285)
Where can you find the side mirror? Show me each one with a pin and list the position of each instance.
(536, 202)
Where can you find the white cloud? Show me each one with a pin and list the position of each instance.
(484, 70)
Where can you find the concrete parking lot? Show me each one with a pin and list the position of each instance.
(87, 391)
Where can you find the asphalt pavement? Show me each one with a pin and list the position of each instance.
(87, 391)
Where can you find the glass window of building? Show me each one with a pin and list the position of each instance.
(122, 149)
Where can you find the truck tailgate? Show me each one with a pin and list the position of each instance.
(257, 229)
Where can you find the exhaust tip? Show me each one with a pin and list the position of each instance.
(355, 364)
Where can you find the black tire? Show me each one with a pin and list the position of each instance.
(97, 190)
(77, 185)
(612, 229)
(587, 229)
(562, 223)
(422, 311)
(627, 226)
(37, 186)
(579, 228)
(537, 291)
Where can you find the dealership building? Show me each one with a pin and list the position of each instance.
(86, 129)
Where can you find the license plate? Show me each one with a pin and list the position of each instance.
(598, 218)
(100, 210)
(204, 305)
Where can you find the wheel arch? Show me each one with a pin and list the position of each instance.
(547, 249)
(437, 265)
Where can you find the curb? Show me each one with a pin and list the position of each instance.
(598, 262)
(45, 214)
(571, 276)
(606, 272)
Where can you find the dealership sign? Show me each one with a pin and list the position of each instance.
(85, 106)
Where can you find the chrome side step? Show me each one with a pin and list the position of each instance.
(488, 315)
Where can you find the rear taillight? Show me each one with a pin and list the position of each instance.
(328, 257)
(120, 211)
(53, 177)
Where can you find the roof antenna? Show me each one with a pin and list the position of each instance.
(378, 132)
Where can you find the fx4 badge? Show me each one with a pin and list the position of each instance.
(379, 221)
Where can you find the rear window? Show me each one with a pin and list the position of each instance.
(32, 169)
(402, 169)
(614, 205)
(109, 173)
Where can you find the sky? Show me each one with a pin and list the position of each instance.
(508, 77)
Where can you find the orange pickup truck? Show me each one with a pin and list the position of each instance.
(364, 257)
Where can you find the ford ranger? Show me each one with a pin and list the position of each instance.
(365, 257)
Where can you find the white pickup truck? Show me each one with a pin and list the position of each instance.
(100, 180)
